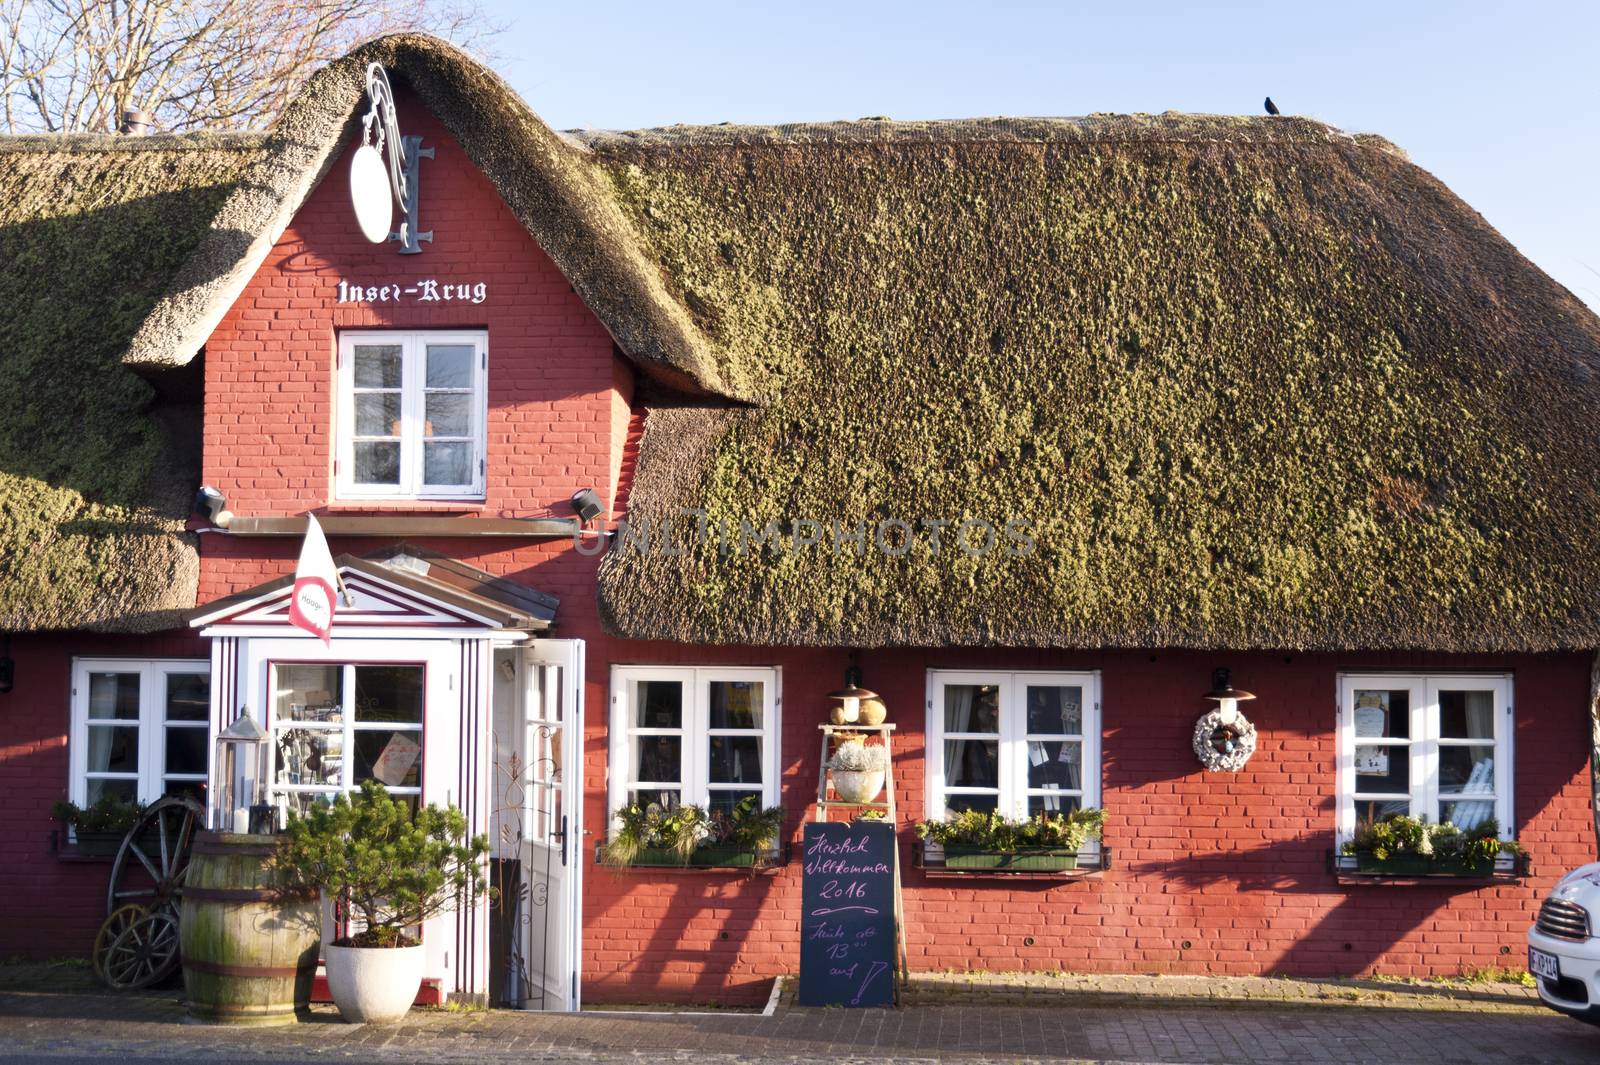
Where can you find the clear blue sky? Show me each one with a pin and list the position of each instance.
(1499, 100)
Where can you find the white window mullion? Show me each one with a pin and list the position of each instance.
(1013, 748)
(1424, 752)
(1503, 755)
(693, 745)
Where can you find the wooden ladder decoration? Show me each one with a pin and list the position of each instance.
(825, 807)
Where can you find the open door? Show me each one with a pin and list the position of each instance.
(552, 866)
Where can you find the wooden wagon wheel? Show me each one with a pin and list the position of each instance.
(154, 856)
(143, 953)
(113, 927)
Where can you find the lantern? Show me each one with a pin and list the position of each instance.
(850, 697)
(1226, 696)
(242, 745)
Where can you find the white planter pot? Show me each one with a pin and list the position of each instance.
(374, 985)
(857, 785)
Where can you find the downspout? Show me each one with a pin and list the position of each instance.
(1594, 746)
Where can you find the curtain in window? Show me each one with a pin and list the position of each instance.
(1479, 707)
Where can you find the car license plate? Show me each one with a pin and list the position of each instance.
(1540, 964)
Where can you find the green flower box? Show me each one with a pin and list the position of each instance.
(711, 855)
(723, 854)
(659, 856)
(1417, 865)
(1033, 860)
(107, 844)
(99, 844)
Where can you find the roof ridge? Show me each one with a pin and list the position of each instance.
(1100, 127)
(122, 142)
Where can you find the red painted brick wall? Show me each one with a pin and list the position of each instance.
(269, 364)
(53, 906)
(1211, 873)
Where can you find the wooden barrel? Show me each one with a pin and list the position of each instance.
(249, 950)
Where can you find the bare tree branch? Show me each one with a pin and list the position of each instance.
(77, 65)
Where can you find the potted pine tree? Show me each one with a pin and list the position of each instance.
(394, 869)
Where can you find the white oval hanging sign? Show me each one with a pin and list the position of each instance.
(370, 195)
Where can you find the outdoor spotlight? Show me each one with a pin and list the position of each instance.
(8, 674)
(587, 504)
(214, 505)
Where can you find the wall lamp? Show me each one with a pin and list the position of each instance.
(587, 504)
(1226, 696)
(8, 669)
(214, 505)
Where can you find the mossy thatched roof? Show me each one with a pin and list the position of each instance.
(96, 476)
(1248, 383)
(1251, 383)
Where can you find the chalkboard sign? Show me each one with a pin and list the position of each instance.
(847, 938)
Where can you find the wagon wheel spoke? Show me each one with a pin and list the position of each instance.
(139, 854)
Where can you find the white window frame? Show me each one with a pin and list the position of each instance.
(346, 728)
(1013, 735)
(695, 787)
(1425, 742)
(413, 346)
(152, 724)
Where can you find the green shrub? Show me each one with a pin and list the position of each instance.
(991, 831)
(1401, 835)
(107, 814)
(654, 827)
(393, 867)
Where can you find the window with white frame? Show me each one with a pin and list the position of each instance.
(1435, 747)
(336, 725)
(411, 415)
(1017, 743)
(140, 729)
(701, 736)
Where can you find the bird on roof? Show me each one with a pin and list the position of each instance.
(1272, 108)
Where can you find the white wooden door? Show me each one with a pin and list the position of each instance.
(552, 865)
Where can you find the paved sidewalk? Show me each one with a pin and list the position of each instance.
(1077, 989)
(73, 1027)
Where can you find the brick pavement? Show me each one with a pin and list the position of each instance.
(80, 1026)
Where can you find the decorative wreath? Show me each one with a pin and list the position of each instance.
(1223, 748)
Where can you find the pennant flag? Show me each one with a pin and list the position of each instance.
(311, 603)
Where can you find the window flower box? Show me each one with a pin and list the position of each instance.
(99, 844)
(1031, 859)
(1416, 865)
(723, 855)
(726, 855)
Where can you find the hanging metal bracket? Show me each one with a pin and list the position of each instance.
(408, 235)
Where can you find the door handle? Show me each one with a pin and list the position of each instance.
(561, 835)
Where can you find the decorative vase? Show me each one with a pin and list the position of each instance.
(374, 985)
(857, 785)
(873, 712)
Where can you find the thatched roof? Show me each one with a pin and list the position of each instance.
(548, 182)
(1252, 383)
(96, 476)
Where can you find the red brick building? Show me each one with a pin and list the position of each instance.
(1021, 418)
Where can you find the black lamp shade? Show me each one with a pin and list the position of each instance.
(587, 504)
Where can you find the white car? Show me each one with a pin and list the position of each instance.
(1564, 945)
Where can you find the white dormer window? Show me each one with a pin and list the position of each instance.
(411, 415)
